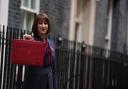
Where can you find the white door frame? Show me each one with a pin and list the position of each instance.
(4, 5)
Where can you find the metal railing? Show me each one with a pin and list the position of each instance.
(79, 66)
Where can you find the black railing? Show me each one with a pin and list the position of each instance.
(79, 66)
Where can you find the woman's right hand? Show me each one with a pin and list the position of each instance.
(27, 37)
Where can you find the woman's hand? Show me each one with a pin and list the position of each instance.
(27, 37)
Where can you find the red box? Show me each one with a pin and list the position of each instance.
(27, 52)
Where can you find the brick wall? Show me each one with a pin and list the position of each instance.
(59, 13)
(14, 16)
(119, 24)
(119, 27)
(100, 23)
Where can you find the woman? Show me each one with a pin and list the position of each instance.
(41, 77)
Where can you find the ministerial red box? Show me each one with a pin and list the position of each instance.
(27, 52)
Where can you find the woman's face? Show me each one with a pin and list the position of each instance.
(42, 27)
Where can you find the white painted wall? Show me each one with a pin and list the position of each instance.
(4, 4)
(87, 21)
(92, 21)
(109, 30)
(72, 20)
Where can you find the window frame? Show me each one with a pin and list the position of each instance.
(26, 10)
(29, 9)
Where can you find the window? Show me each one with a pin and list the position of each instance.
(30, 5)
(27, 20)
(29, 9)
